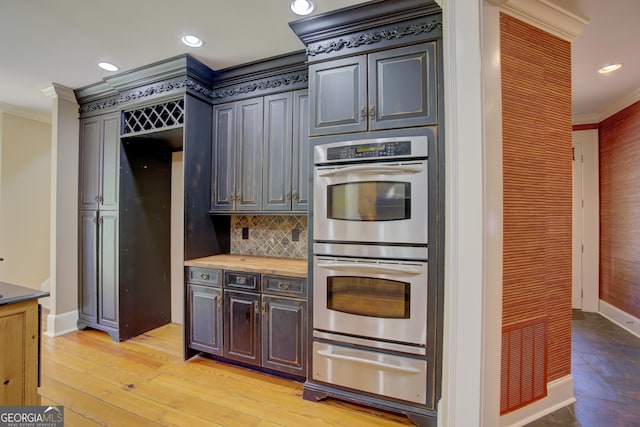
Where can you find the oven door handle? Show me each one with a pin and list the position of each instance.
(377, 364)
(374, 169)
(371, 268)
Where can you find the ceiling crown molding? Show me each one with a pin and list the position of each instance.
(24, 113)
(612, 109)
(544, 15)
(59, 91)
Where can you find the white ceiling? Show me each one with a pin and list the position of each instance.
(61, 41)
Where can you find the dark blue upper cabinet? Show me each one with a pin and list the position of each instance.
(223, 157)
(401, 84)
(402, 87)
(300, 162)
(277, 152)
(249, 135)
(339, 96)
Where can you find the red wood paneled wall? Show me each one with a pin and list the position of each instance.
(620, 210)
(537, 168)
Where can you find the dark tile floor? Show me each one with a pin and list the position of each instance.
(605, 363)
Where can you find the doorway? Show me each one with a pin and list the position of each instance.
(586, 221)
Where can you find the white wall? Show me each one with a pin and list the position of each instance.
(63, 211)
(25, 165)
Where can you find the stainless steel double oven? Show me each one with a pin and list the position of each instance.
(370, 267)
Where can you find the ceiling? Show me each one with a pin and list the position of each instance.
(61, 41)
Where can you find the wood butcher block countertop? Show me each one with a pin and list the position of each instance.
(253, 264)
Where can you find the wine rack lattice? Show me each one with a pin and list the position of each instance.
(154, 117)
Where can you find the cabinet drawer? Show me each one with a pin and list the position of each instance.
(388, 375)
(242, 280)
(280, 285)
(204, 276)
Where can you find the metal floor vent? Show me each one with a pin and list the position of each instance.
(524, 363)
(154, 117)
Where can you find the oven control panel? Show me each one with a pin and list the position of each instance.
(369, 150)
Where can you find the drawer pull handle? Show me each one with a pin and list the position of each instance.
(204, 276)
(367, 362)
(241, 280)
(284, 286)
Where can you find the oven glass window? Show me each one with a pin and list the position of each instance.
(369, 201)
(369, 297)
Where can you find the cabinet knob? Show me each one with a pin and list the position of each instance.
(204, 276)
(294, 196)
(285, 286)
(363, 112)
(372, 112)
(288, 195)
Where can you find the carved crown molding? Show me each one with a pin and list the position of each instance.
(146, 92)
(374, 37)
(259, 86)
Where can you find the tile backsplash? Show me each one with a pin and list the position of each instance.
(269, 235)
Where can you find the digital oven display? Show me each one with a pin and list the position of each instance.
(363, 151)
(368, 149)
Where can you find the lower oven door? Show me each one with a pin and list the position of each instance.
(371, 298)
(384, 374)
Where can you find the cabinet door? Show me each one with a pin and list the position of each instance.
(223, 157)
(301, 161)
(242, 326)
(99, 162)
(90, 148)
(205, 319)
(338, 92)
(402, 87)
(108, 269)
(19, 330)
(277, 152)
(248, 186)
(110, 159)
(283, 334)
(88, 264)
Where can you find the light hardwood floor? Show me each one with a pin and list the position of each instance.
(144, 381)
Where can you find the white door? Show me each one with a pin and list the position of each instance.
(576, 293)
(586, 221)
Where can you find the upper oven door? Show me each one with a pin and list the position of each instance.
(379, 202)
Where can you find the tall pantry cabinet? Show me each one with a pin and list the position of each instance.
(98, 219)
(129, 133)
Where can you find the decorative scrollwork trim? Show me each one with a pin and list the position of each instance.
(373, 37)
(259, 86)
(193, 86)
(145, 92)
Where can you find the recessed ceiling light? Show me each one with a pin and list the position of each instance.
(609, 68)
(302, 7)
(191, 40)
(107, 66)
